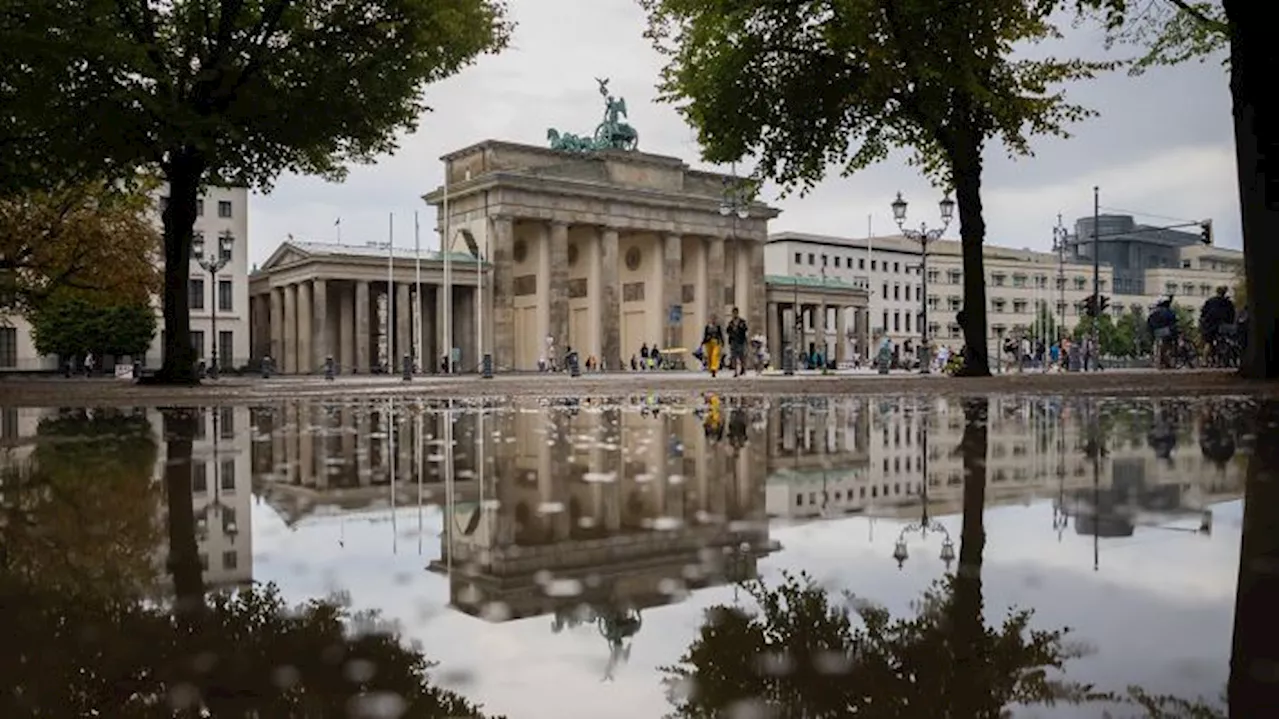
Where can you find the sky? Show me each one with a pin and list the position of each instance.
(1161, 147)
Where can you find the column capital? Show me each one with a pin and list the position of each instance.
(557, 222)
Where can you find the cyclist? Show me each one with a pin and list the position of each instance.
(1218, 311)
(1163, 323)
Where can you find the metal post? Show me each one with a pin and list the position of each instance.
(213, 314)
(1062, 283)
(480, 353)
(418, 360)
(445, 248)
(391, 290)
(1097, 296)
(924, 300)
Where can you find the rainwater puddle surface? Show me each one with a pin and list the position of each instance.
(592, 558)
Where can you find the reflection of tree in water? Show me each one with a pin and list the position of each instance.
(80, 514)
(618, 625)
(234, 656)
(801, 654)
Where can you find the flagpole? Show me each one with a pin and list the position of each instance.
(338, 224)
(446, 248)
(391, 290)
(417, 292)
(867, 351)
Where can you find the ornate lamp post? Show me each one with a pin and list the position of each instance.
(924, 235)
(1060, 237)
(224, 513)
(213, 265)
(735, 203)
(926, 524)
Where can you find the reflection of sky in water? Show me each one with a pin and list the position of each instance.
(1158, 610)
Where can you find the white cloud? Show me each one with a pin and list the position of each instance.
(1162, 143)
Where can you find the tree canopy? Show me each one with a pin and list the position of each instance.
(1171, 32)
(91, 236)
(72, 324)
(228, 92)
(809, 85)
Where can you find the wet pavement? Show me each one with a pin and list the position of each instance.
(595, 556)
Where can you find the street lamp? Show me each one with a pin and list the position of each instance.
(925, 235)
(1060, 237)
(735, 203)
(213, 265)
(926, 524)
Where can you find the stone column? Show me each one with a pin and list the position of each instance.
(671, 275)
(346, 354)
(610, 313)
(715, 277)
(289, 357)
(773, 334)
(363, 351)
(842, 344)
(755, 309)
(403, 336)
(305, 329)
(820, 328)
(504, 337)
(443, 344)
(557, 289)
(277, 326)
(320, 322)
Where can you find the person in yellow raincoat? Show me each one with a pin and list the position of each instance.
(712, 341)
(713, 422)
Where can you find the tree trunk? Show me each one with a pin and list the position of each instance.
(966, 169)
(183, 172)
(1253, 110)
(1251, 690)
(970, 692)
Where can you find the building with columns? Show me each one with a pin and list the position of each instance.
(600, 252)
(311, 300)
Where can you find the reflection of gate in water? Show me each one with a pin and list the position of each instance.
(578, 332)
(526, 339)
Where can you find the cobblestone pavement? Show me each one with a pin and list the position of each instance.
(81, 391)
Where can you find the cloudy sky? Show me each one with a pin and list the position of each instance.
(1162, 146)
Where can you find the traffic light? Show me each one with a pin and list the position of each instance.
(1091, 306)
(1102, 307)
(1206, 232)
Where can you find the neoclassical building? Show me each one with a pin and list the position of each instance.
(601, 251)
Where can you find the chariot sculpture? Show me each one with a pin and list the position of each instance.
(611, 134)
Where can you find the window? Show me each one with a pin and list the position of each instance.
(873, 265)
(906, 322)
(884, 321)
(1079, 282)
(195, 293)
(895, 267)
(1019, 307)
(227, 422)
(810, 259)
(953, 302)
(197, 343)
(1019, 280)
(226, 241)
(224, 295)
(997, 279)
(954, 277)
(933, 275)
(824, 260)
(224, 208)
(229, 559)
(918, 290)
(897, 326)
(896, 292)
(226, 349)
(997, 306)
(862, 263)
(200, 208)
(797, 258)
(227, 476)
(8, 347)
(1042, 281)
(933, 302)
(884, 290)
(199, 478)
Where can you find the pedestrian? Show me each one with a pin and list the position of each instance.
(737, 332)
(713, 340)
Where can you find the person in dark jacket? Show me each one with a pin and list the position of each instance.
(737, 332)
(1217, 311)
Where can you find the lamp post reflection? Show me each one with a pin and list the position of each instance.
(926, 525)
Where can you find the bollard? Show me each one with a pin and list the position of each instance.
(486, 366)
(266, 367)
(574, 369)
(406, 372)
(328, 367)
